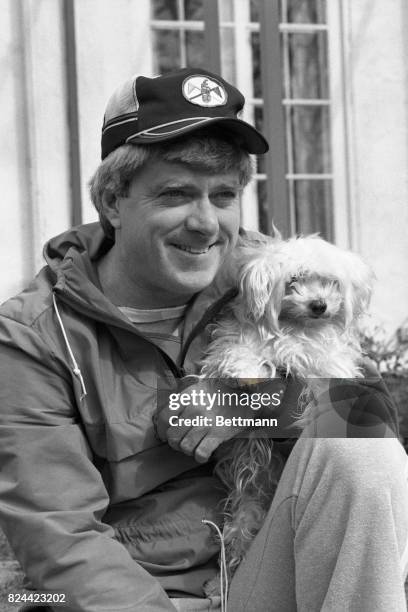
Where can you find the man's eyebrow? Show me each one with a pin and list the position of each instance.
(226, 185)
(171, 182)
(174, 183)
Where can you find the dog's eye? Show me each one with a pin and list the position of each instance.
(296, 280)
(292, 285)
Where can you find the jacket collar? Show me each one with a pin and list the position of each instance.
(71, 257)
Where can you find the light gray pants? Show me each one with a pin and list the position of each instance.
(336, 536)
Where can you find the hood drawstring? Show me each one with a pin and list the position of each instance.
(75, 367)
(223, 567)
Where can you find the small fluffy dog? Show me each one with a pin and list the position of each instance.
(297, 311)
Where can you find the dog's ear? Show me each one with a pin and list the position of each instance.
(362, 293)
(358, 288)
(258, 280)
(274, 306)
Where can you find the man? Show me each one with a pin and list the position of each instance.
(98, 499)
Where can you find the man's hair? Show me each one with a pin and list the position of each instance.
(205, 151)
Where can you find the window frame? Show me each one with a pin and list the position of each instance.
(279, 176)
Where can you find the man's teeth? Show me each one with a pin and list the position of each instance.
(191, 250)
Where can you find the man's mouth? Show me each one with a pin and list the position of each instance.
(193, 250)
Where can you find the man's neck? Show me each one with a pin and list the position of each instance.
(121, 291)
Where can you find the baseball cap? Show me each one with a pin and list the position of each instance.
(147, 110)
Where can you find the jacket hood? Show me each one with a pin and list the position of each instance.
(89, 238)
(70, 257)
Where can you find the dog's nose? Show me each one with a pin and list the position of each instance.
(318, 307)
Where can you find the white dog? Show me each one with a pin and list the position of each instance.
(297, 310)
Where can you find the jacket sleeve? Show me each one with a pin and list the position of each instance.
(52, 497)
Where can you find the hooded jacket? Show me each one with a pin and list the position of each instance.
(93, 503)
(86, 487)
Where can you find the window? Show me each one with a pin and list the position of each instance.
(178, 34)
(302, 30)
(306, 101)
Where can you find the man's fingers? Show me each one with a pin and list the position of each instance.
(192, 439)
(206, 448)
(174, 435)
(198, 441)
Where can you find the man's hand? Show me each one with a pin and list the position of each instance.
(192, 427)
(203, 437)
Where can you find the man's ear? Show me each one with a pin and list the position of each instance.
(110, 204)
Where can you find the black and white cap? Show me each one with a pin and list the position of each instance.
(146, 110)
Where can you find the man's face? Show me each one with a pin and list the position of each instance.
(175, 228)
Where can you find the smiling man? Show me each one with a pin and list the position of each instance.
(176, 225)
(102, 505)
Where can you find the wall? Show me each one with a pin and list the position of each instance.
(376, 55)
(111, 44)
(33, 132)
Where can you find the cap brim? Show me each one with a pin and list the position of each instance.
(249, 137)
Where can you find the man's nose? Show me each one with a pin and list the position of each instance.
(203, 217)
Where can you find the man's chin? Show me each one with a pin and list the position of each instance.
(196, 283)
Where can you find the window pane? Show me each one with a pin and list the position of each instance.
(263, 207)
(254, 10)
(195, 48)
(313, 206)
(166, 46)
(307, 57)
(256, 64)
(258, 115)
(309, 127)
(165, 9)
(261, 164)
(258, 121)
(193, 10)
(304, 11)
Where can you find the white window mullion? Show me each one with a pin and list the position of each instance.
(288, 123)
(345, 212)
(244, 82)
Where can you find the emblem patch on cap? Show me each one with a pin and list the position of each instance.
(203, 91)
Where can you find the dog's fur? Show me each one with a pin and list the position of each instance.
(298, 309)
